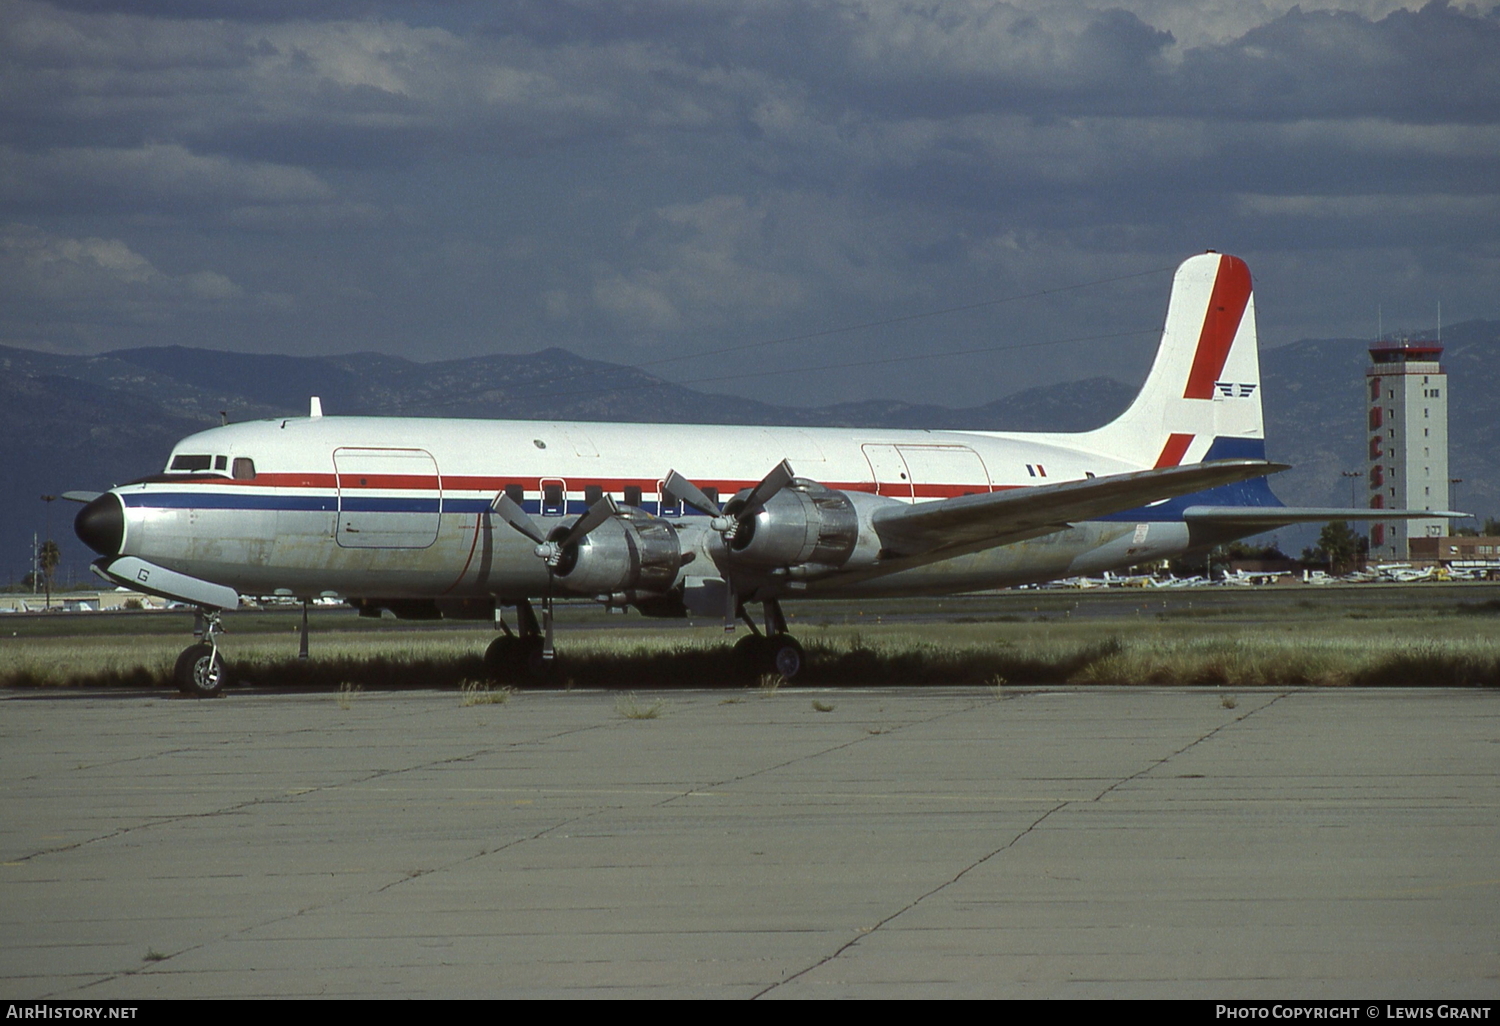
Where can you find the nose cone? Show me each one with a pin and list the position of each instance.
(101, 524)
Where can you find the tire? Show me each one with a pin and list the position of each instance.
(200, 671)
(753, 654)
(502, 657)
(518, 660)
(785, 657)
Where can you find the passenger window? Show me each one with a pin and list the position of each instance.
(592, 494)
(554, 504)
(671, 504)
(516, 494)
(244, 468)
(191, 463)
(632, 495)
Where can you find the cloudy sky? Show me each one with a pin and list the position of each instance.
(677, 183)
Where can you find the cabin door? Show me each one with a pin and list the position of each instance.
(388, 498)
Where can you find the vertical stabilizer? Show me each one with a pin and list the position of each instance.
(1202, 398)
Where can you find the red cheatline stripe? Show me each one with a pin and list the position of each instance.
(1226, 307)
(1174, 450)
(453, 484)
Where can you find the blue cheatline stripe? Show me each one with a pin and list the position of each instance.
(374, 504)
(223, 500)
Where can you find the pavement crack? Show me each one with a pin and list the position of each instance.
(865, 932)
(869, 930)
(1190, 745)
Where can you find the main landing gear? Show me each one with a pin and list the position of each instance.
(200, 668)
(775, 651)
(520, 656)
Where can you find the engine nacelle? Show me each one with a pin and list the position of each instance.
(806, 524)
(630, 552)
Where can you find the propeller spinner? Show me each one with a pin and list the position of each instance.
(551, 551)
(728, 523)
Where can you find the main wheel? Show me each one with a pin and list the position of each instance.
(510, 658)
(502, 657)
(785, 656)
(199, 671)
(752, 654)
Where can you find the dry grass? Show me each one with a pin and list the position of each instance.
(480, 692)
(769, 683)
(632, 708)
(1308, 641)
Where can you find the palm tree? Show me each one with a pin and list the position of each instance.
(48, 558)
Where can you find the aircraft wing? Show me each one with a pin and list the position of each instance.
(1263, 518)
(929, 531)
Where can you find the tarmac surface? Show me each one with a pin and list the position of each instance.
(1099, 842)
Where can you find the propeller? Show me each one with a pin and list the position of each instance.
(728, 524)
(548, 550)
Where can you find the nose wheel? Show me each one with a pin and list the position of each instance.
(200, 670)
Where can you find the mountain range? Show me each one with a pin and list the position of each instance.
(85, 422)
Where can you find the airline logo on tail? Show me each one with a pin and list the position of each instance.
(1201, 400)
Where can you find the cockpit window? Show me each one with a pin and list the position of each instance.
(221, 462)
(186, 462)
(244, 468)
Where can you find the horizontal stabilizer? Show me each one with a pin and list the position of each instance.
(84, 497)
(139, 575)
(973, 522)
(1266, 517)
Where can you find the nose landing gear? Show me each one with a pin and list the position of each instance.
(200, 670)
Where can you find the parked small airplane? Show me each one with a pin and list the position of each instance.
(461, 518)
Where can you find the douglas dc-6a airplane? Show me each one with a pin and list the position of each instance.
(461, 518)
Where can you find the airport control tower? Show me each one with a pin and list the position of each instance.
(1408, 457)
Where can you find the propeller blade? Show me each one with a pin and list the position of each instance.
(731, 606)
(516, 517)
(779, 477)
(595, 515)
(548, 652)
(681, 486)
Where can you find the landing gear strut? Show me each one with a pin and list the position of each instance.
(518, 656)
(200, 670)
(775, 651)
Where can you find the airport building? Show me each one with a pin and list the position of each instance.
(1408, 442)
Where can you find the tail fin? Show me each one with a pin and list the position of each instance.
(1202, 398)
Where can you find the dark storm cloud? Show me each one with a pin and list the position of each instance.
(639, 177)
